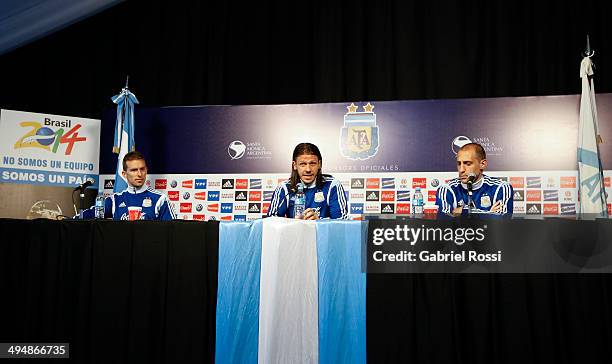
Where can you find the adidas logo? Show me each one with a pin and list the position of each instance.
(254, 208)
(373, 196)
(241, 195)
(228, 184)
(387, 209)
(122, 204)
(533, 210)
(357, 183)
(109, 184)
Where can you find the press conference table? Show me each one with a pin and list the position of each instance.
(126, 292)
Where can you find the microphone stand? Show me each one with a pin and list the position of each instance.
(469, 186)
(81, 202)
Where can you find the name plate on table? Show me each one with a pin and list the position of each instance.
(488, 246)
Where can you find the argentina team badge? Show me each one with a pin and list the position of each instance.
(359, 135)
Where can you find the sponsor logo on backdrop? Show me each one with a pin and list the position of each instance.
(357, 183)
(227, 184)
(213, 195)
(187, 184)
(387, 196)
(551, 182)
(505, 179)
(200, 184)
(254, 208)
(434, 183)
(186, 195)
(270, 184)
(459, 142)
(534, 209)
(241, 184)
(199, 207)
(357, 195)
(372, 208)
(240, 218)
(419, 182)
(50, 135)
(160, 184)
(551, 209)
(267, 195)
(213, 207)
(255, 184)
(489, 145)
(568, 196)
(240, 196)
(403, 183)
(431, 196)
(226, 208)
(387, 208)
(199, 217)
(568, 209)
(200, 195)
(403, 195)
(254, 195)
(236, 149)
(240, 206)
(185, 207)
(403, 209)
(534, 182)
(109, 184)
(519, 208)
(345, 183)
(214, 183)
(517, 182)
(212, 218)
(373, 183)
(173, 183)
(173, 195)
(359, 134)
(519, 195)
(226, 218)
(551, 195)
(372, 195)
(568, 182)
(265, 207)
(388, 183)
(249, 150)
(534, 195)
(227, 195)
(356, 208)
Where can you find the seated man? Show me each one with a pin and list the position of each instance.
(155, 205)
(490, 195)
(324, 194)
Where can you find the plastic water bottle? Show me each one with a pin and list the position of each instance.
(417, 202)
(300, 202)
(99, 209)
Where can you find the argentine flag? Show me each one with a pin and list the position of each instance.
(291, 291)
(590, 171)
(124, 133)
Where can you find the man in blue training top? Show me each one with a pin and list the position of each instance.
(324, 194)
(490, 195)
(155, 205)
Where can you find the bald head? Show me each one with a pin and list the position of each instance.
(476, 148)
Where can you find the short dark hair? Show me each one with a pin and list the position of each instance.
(132, 156)
(478, 149)
(301, 149)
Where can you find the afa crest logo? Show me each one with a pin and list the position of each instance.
(359, 135)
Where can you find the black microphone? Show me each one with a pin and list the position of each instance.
(84, 185)
(471, 180)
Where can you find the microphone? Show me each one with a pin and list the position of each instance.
(84, 185)
(471, 180)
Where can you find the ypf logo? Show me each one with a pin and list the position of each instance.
(236, 149)
(459, 142)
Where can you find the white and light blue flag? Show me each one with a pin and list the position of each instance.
(124, 133)
(592, 194)
(291, 291)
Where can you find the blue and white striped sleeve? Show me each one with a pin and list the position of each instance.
(445, 199)
(505, 194)
(278, 205)
(336, 199)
